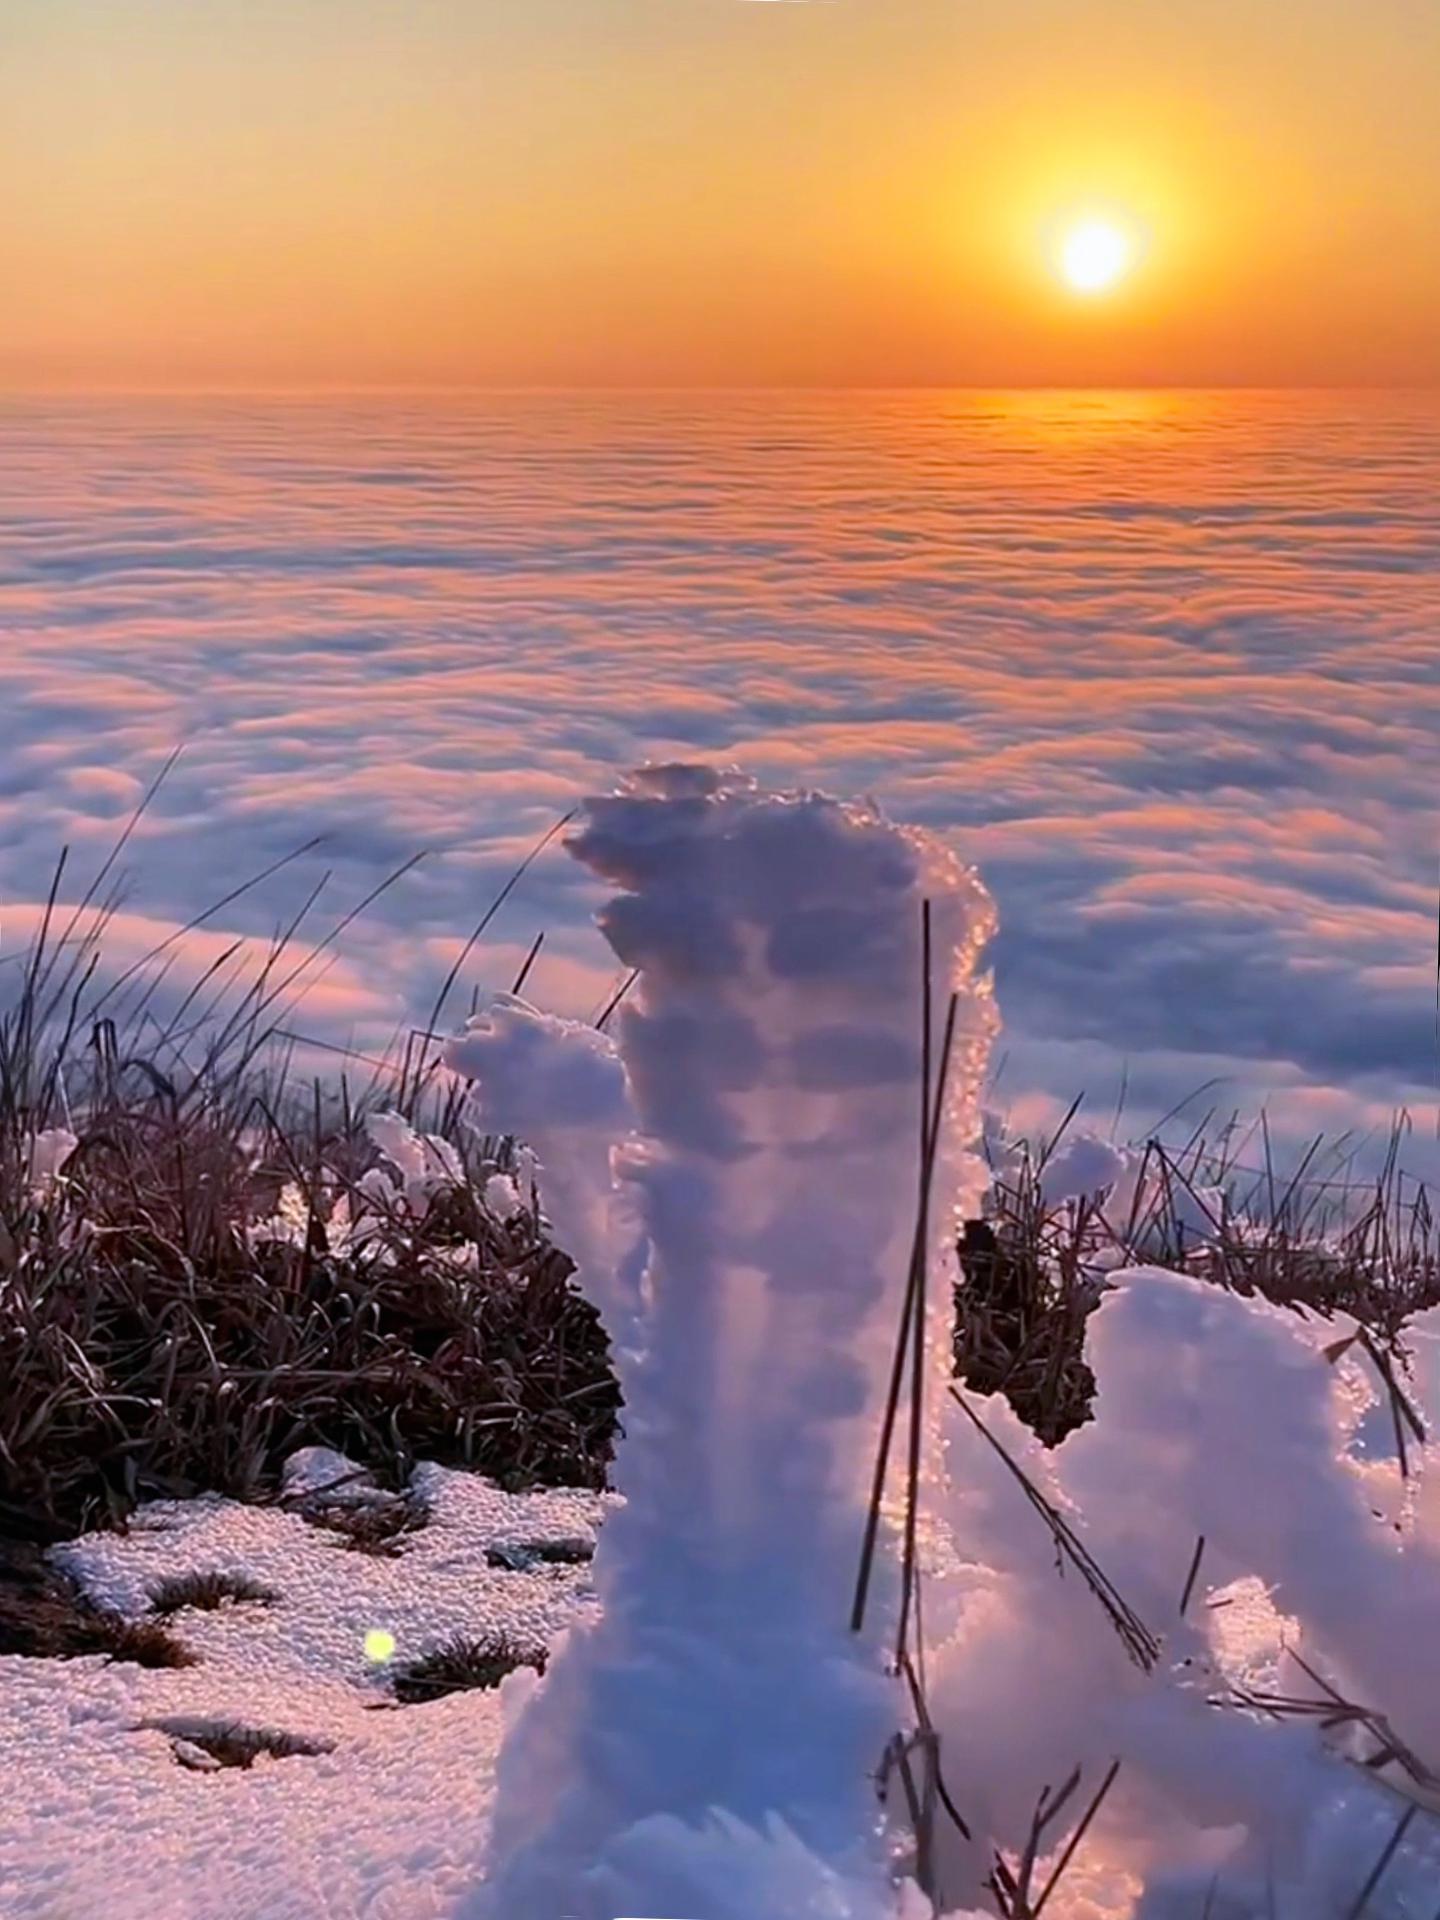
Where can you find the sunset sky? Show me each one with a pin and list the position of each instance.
(325, 192)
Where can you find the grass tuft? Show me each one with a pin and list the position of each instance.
(377, 1527)
(208, 1591)
(1032, 1271)
(45, 1615)
(144, 1642)
(205, 1265)
(463, 1664)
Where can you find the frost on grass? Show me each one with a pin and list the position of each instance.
(707, 1746)
(190, 1308)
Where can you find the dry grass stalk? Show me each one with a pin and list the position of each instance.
(156, 1339)
(1139, 1642)
(909, 1341)
(1377, 1872)
(1365, 1735)
(1012, 1886)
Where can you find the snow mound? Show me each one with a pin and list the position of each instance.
(1223, 1419)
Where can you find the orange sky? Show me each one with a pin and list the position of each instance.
(330, 192)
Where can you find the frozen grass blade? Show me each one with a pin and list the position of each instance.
(1141, 1645)
(1378, 1871)
(410, 1094)
(1072, 1846)
(904, 1344)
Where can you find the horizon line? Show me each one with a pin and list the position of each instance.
(301, 389)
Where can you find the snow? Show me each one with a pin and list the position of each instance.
(707, 1746)
(1084, 1165)
(1220, 1416)
(1136, 1195)
(97, 1813)
(561, 1087)
(423, 1162)
(45, 1157)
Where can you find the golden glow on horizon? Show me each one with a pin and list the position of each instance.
(396, 192)
(1095, 254)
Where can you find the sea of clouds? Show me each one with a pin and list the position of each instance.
(1166, 668)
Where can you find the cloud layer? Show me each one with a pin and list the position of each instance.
(1166, 667)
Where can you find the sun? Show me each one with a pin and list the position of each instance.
(1095, 254)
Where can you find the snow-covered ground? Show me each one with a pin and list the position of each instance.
(107, 1809)
(101, 1815)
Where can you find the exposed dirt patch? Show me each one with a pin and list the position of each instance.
(211, 1746)
(520, 1556)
